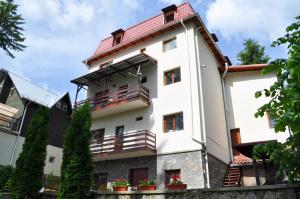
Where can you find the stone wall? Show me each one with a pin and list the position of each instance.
(217, 171)
(190, 164)
(259, 192)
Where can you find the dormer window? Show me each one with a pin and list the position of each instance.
(169, 13)
(118, 35)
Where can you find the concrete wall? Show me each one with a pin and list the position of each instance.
(7, 141)
(260, 192)
(242, 105)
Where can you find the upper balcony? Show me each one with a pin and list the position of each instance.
(127, 145)
(125, 99)
(7, 120)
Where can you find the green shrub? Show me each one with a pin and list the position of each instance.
(5, 174)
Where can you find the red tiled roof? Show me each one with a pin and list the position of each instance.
(239, 68)
(139, 29)
(241, 159)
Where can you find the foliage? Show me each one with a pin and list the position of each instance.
(146, 182)
(5, 174)
(253, 53)
(284, 104)
(76, 169)
(11, 36)
(176, 180)
(27, 179)
(120, 182)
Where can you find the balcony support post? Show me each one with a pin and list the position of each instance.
(79, 87)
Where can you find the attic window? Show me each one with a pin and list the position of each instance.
(118, 35)
(12, 91)
(169, 13)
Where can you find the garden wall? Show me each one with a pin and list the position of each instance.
(257, 192)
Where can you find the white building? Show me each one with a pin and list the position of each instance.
(157, 103)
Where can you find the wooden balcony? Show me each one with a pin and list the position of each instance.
(128, 145)
(7, 120)
(109, 103)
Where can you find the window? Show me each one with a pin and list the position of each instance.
(12, 91)
(51, 159)
(169, 17)
(139, 118)
(117, 39)
(144, 79)
(58, 105)
(271, 120)
(169, 44)
(64, 107)
(172, 76)
(98, 136)
(100, 181)
(173, 122)
(105, 64)
(169, 174)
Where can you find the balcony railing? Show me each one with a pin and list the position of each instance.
(139, 141)
(9, 123)
(106, 99)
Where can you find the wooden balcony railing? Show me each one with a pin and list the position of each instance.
(128, 142)
(123, 95)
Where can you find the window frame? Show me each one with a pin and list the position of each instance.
(173, 75)
(167, 41)
(168, 175)
(116, 38)
(51, 159)
(271, 121)
(168, 14)
(174, 124)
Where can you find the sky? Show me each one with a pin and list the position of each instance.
(61, 33)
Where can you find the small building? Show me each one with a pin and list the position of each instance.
(19, 99)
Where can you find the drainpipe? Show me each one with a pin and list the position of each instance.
(18, 134)
(226, 112)
(203, 141)
(197, 50)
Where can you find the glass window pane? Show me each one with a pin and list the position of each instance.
(179, 121)
(170, 44)
(168, 77)
(177, 77)
(173, 43)
(169, 124)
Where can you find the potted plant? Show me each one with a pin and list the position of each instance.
(120, 184)
(176, 183)
(146, 185)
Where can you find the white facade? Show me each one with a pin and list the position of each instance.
(242, 105)
(184, 96)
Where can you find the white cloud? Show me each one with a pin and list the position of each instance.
(262, 20)
(171, 1)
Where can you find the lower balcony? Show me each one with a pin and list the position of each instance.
(127, 145)
(125, 99)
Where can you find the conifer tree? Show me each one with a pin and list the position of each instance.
(27, 179)
(11, 36)
(253, 53)
(76, 169)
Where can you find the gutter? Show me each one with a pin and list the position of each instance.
(18, 134)
(226, 112)
(203, 141)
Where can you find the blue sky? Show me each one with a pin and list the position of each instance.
(62, 33)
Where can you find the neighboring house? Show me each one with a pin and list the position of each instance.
(19, 99)
(241, 83)
(157, 104)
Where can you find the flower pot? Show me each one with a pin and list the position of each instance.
(147, 188)
(176, 186)
(120, 188)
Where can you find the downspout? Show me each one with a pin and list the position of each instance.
(226, 112)
(197, 50)
(18, 134)
(203, 141)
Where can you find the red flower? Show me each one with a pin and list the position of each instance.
(146, 180)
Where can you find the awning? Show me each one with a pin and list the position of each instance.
(247, 148)
(118, 67)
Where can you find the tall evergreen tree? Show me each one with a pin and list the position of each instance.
(27, 179)
(76, 169)
(253, 53)
(11, 36)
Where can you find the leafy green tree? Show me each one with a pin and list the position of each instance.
(253, 53)
(284, 104)
(28, 176)
(76, 169)
(11, 36)
(5, 174)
